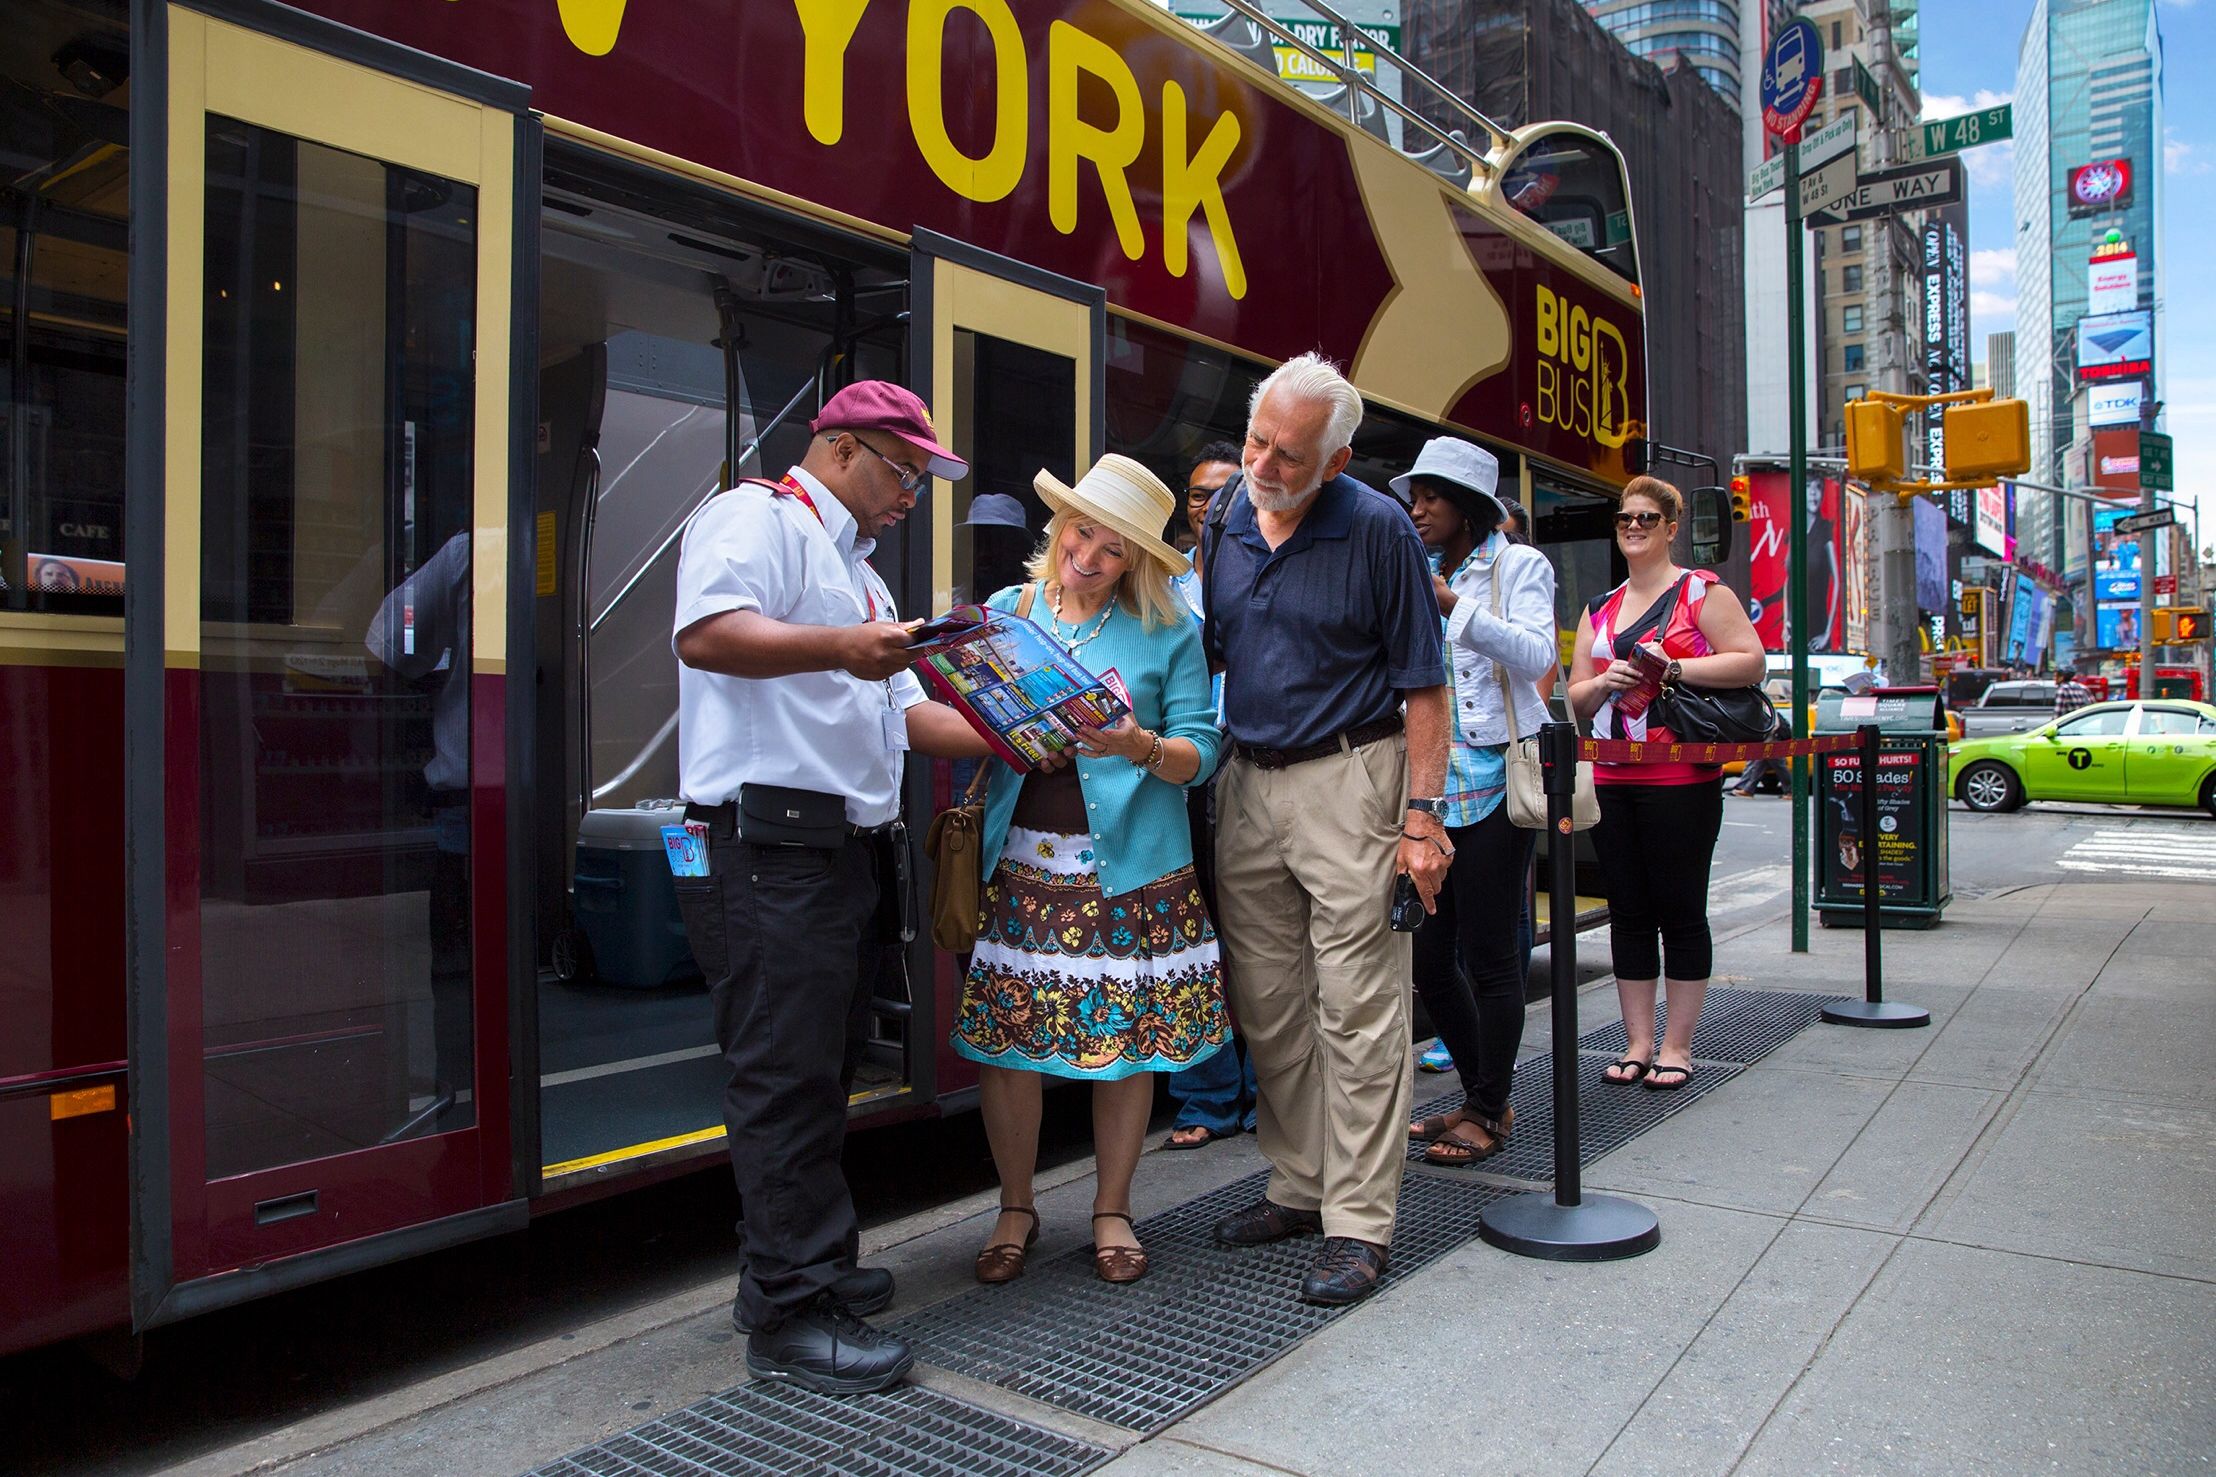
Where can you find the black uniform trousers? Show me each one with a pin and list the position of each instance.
(792, 940)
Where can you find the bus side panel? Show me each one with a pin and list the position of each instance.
(64, 1185)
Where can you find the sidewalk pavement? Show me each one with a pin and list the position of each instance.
(1985, 1246)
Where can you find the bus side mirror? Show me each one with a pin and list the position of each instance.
(1709, 509)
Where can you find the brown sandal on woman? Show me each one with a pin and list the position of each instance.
(1118, 1263)
(1424, 1130)
(1471, 1139)
(1003, 1260)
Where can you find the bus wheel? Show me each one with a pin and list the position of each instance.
(1991, 787)
(572, 957)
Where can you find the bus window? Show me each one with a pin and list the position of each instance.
(1574, 186)
(62, 322)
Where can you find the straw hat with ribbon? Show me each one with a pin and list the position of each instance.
(1120, 494)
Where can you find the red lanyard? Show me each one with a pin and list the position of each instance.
(790, 485)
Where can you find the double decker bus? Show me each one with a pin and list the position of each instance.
(363, 361)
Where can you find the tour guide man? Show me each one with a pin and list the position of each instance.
(1322, 613)
(794, 704)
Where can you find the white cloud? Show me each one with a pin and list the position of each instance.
(1939, 105)
(1992, 312)
(2180, 157)
(1994, 267)
(1990, 166)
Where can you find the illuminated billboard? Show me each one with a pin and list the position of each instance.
(2105, 185)
(2113, 404)
(2116, 345)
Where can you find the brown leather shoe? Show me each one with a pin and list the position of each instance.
(1347, 1272)
(1265, 1221)
(1003, 1260)
(1117, 1263)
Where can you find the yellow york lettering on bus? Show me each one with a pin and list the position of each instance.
(591, 25)
(1582, 378)
(1111, 143)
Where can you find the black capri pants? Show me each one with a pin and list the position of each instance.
(1655, 844)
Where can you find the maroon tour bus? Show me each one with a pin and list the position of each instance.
(364, 360)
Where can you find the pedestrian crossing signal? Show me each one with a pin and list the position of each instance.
(1874, 443)
(1987, 441)
(2177, 627)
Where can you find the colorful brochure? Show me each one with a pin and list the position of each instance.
(1022, 692)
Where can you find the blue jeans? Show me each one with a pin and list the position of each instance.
(1217, 1094)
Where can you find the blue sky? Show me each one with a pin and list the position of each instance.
(1969, 61)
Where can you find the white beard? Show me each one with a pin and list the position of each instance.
(1266, 501)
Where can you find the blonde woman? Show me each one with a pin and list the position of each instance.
(1098, 959)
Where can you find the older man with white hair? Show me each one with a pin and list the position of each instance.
(1321, 613)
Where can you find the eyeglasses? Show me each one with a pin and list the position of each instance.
(1638, 520)
(909, 481)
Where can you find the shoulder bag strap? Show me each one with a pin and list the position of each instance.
(1023, 601)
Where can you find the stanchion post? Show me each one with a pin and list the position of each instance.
(1566, 1226)
(1873, 1009)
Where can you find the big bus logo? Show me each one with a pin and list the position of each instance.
(1584, 372)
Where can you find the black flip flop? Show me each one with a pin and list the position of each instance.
(1656, 1084)
(1637, 1068)
(1207, 1136)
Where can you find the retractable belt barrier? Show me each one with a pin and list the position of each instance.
(1643, 751)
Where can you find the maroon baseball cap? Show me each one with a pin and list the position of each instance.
(879, 405)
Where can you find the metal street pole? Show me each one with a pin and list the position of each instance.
(2148, 410)
(1796, 531)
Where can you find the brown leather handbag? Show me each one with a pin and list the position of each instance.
(954, 844)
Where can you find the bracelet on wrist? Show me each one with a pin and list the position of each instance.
(1153, 760)
(1444, 849)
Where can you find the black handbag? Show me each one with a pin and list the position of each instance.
(1715, 715)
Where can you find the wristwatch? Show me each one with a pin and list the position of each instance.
(1433, 806)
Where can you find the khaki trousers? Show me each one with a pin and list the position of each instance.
(1304, 879)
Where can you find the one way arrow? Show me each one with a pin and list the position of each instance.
(1890, 191)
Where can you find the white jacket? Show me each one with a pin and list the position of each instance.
(1521, 638)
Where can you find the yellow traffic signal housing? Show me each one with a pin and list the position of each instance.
(2187, 624)
(1874, 442)
(1985, 441)
(1742, 499)
(2158, 632)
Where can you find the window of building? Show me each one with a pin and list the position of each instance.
(1850, 238)
(1856, 392)
(1854, 357)
(1850, 318)
(1850, 279)
(1835, 42)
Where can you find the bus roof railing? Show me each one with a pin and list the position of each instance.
(1358, 86)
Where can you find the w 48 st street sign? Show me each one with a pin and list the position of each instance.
(1890, 191)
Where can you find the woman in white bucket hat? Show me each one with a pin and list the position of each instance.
(1098, 958)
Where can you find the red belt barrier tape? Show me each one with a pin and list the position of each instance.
(1635, 751)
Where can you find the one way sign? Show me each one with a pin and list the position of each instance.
(1890, 191)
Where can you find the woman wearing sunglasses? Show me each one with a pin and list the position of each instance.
(1658, 822)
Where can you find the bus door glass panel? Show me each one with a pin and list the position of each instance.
(336, 513)
(2164, 756)
(2079, 758)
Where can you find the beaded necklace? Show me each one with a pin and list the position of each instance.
(1073, 642)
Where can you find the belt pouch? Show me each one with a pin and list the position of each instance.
(777, 815)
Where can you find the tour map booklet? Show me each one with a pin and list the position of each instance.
(1022, 693)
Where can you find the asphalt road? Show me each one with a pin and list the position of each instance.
(236, 1374)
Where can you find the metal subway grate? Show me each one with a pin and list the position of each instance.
(776, 1429)
(1740, 1026)
(1203, 1319)
(1608, 1115)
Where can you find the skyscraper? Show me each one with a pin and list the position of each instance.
(1704, 32)
(2088, 126)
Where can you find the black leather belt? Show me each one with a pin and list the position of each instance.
(724, 819)
(1262, 757)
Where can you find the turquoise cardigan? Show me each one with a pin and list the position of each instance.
(1140, 832)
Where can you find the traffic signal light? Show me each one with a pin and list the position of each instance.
(1874, 442)
(1986, 440)
(2158, 631)
(2188, 624)
(1742, 499)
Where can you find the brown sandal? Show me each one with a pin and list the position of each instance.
(1003, 1260)
(1118, 1263)
(1424, 1130)
(1457, 1150)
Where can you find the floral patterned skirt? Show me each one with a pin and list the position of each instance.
(1069, 982)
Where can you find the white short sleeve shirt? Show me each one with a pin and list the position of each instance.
(751, 549)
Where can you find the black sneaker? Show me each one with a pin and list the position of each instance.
(826, 1349)
(864, 1290)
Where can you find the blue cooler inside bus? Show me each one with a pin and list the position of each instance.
(626, 900)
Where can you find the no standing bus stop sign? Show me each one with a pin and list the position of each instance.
(1792, 79)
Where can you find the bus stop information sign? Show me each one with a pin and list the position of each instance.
(1792, 79)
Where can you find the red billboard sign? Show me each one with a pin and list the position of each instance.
(2094, 188)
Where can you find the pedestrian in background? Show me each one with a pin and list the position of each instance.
(794, 703)
(1658, 822)
(1215, 1096)
(2070, 694)
(1496, 609)
(1098, 958)
(1320, 610)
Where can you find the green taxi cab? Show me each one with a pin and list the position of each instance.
(2152, 753)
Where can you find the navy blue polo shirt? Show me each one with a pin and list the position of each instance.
(1324, 632)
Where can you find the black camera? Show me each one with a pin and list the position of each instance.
(1408, 914)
